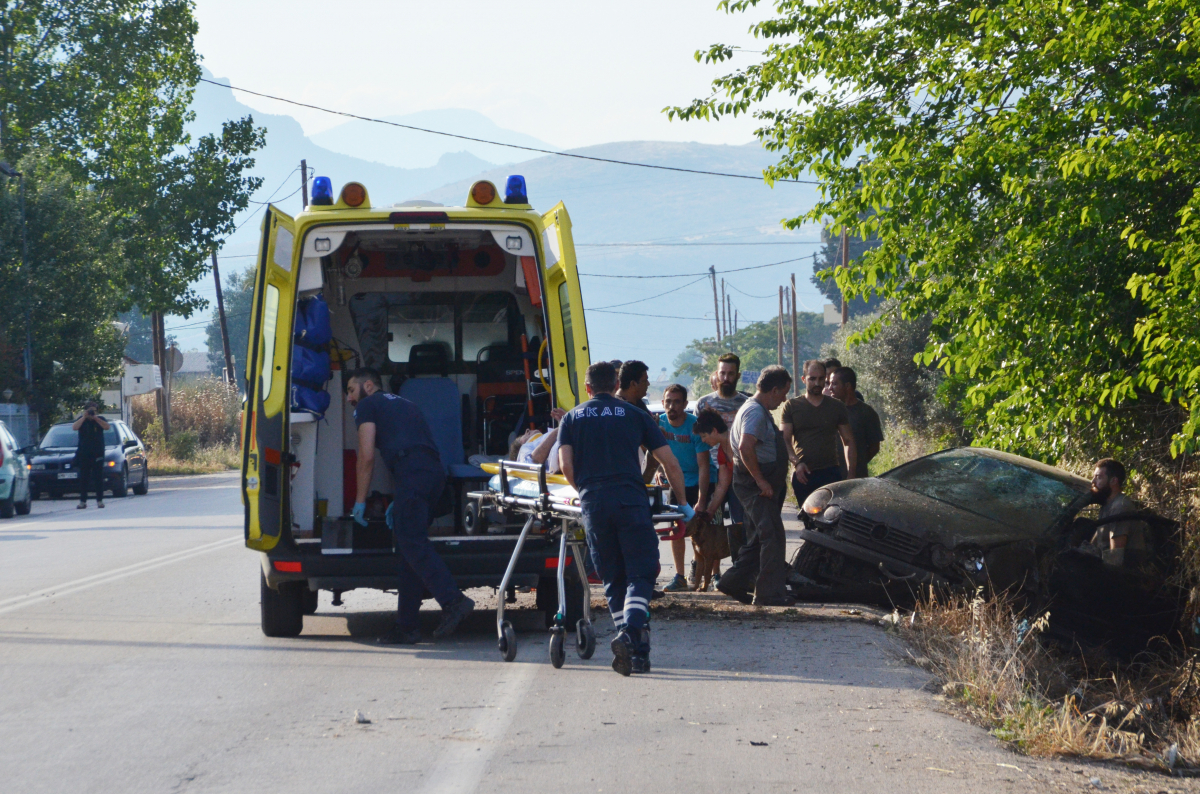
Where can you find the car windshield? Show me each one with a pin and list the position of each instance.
(63, 437)
(997, 489)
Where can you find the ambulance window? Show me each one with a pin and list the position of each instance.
(416, 324)
(270, 319)
(568, 337)
(485, 321)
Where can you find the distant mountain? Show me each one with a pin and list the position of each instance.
(410, 149)
(608, 203)
(287, 145)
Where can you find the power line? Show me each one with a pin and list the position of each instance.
(748, 295)
(705, 273)
(666, 316)
(672, 245)
(497, 143)
(652, 297)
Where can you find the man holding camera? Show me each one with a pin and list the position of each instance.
(89, 455)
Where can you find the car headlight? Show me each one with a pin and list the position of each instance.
(832, 514)
(37, 466)
(817, 501)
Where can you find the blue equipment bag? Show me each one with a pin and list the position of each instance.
(310, 356)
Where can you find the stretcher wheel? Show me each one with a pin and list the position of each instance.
(585, 639)
(507, 642)
(558, 654)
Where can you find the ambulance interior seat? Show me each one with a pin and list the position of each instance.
(438, 398)
(501, 395)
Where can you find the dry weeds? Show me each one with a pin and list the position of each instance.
(990, 660)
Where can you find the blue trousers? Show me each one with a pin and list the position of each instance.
(421, 569)
(624, 547)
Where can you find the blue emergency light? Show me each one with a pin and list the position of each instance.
(514, 191)
(322, 192)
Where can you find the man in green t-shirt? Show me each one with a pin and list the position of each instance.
(864, 422)
(813, 426)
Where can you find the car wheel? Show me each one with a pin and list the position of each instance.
(144, 486)
(24, 507)
(282, 609)
(121, 489)
(7, 508)
(311, 599)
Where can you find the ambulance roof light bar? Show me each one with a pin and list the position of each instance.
(514, 190)
(322, 192)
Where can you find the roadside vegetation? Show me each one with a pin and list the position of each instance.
(205, 427)
(1018, 183)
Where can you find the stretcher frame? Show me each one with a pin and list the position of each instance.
(561, 516)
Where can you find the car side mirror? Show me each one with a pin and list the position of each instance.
(129, 443)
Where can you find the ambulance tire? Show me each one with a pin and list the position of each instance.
(282, 609)
(547, 597)
(311, 599)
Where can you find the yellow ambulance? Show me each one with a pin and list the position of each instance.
(473, 312)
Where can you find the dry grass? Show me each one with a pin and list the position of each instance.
(991, 662)
(205, 423)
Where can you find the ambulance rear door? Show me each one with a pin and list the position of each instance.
(265, 455)
(564, 309)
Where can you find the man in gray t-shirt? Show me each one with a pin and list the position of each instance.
(760, 480)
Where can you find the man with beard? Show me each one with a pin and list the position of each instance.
(1120, 543)
(726, 401)
(813, 427)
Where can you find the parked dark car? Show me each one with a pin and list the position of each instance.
(973, 517)
(52, 469)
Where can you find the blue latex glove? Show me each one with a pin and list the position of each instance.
(388, 515)
(688, 512)
(358, 513)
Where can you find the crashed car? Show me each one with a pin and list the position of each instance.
(972, 517)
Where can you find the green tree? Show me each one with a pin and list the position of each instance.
(74, 281)
(96, 93)
(829, 258)
(756, 345)
(238, 294)
(1031, 168)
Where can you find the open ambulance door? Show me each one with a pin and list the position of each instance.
(265, 454)
(564, 310)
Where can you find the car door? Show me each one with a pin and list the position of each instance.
(564, 309)
(19, 464)
(268, 362)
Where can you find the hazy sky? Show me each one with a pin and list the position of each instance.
(572, 74)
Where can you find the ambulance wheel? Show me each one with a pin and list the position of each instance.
(585, 639)
(282, 609)
(311, 599)
(558, 654)
(507, 642)
(475, 520)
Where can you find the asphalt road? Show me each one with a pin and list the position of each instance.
(132, 660)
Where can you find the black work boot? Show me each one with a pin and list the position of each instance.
(640, 661)
(623, 652)
(452, 616)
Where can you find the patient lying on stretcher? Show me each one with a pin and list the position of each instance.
(538, 446)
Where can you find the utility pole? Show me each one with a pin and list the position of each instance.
(779, 332)
(160, 359)
(795, 344)
(728, 314)
(735, 320)
(712, 271)
(304, 195)
(724, 312)
(229, 376)
(845, 263)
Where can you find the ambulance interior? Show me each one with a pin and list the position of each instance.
(444, 315)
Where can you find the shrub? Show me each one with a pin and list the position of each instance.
(207, 407)
(183, 444)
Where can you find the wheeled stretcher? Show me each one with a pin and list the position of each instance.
(548, 499)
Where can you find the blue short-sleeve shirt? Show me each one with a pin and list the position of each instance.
(605, 434)
(685, 443)
(401, 431)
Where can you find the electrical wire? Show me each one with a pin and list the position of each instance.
(705, 273)
(652, 297)
(748, 295)
(497, 143)
(673, 245)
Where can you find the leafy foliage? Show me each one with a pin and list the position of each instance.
(1031, 171)
(756, 345)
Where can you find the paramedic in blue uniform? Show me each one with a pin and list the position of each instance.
(599, 442)
(398, 428)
